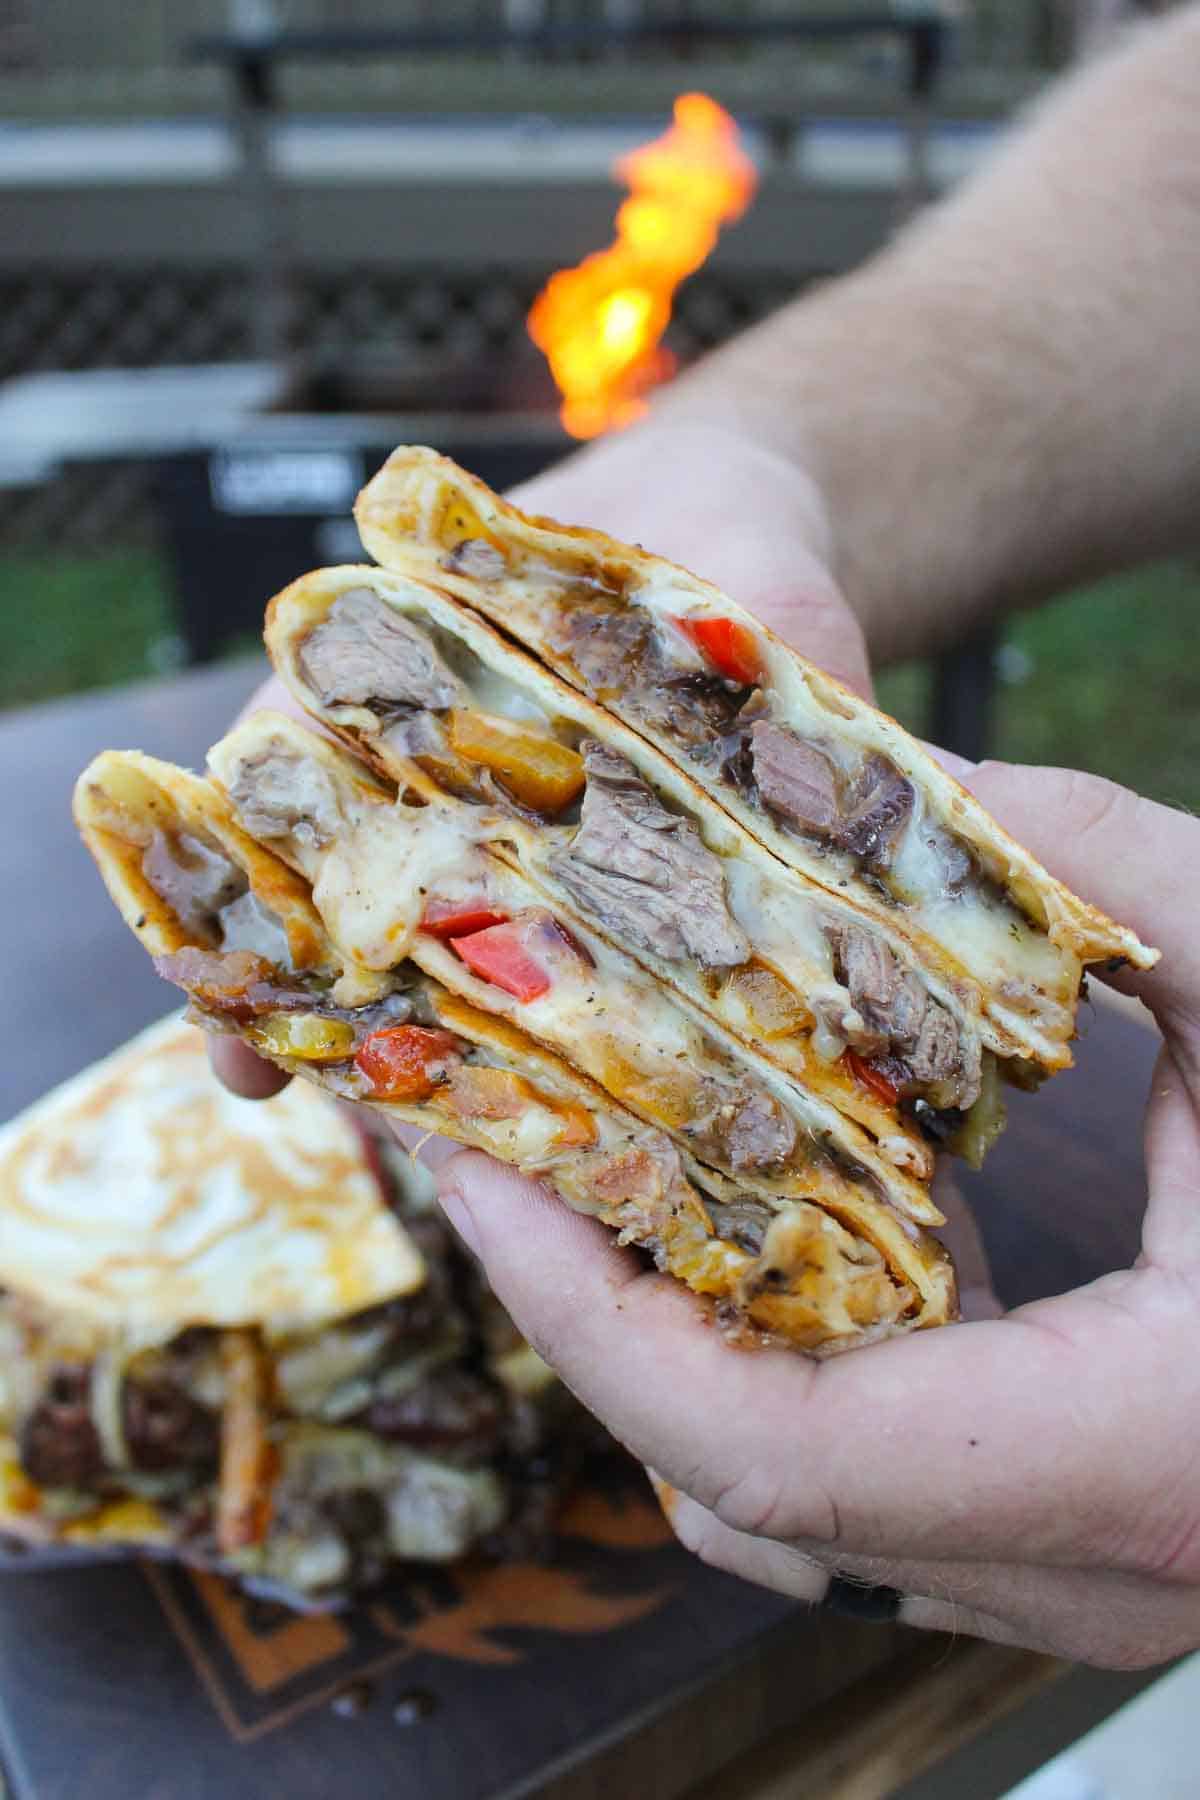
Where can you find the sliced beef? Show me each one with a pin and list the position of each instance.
(795, 779)
(60, 1446)
(646, 872)
(743, 1222)
(165, 1428)
(364, 654)
(619, 651)
(194, 878)
(476, 558)
(903, 1016)
(936, 1058)
(882, 806)
(749, 1133)
(612, 645)
(280, 794)
(450, 1411)
(804, 788)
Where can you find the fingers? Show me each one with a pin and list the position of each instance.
(273, 696)
(1137, 860)
(957, 1443)
(1114, 1620)
(243, 1071)
(740, 516)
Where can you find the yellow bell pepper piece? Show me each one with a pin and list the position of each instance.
(306, 1036)
(536, 769)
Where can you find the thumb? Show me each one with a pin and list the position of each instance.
(562, 1275)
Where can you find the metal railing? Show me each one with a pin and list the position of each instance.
(49, 37)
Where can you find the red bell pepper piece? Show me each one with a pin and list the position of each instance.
(499, 956)
(872, 1078)
(731, 647)
(405, 1062)
(459, 918)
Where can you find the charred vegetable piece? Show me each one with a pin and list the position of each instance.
(459, 918)
(536, 769)
(498, 955)
(871, 1078)
(729, 646)
(406, 1062)
(304, 1035)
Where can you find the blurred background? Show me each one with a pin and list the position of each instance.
(252, 244)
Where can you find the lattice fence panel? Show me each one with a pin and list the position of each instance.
(105, 319)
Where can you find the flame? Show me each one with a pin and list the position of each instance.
(601, 323)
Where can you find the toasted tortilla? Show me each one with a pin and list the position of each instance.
(423, 516)
(143, 1193)
(875, 1272)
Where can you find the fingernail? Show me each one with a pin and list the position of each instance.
(459, 1213)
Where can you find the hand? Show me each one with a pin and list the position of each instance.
(740, 516)
(1034, 1479)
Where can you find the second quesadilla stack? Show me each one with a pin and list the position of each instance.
(240, 1334)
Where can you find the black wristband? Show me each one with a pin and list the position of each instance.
(859, 1600)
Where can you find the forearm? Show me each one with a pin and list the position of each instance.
(1007, 400)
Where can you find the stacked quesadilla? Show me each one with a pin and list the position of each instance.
(590, 870)
(239, 1333)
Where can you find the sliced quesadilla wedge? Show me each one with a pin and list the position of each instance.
(393, 879)
(237, 1333)
(433, 698)
(833, 788)
(822, 1264)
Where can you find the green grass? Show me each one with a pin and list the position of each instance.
(74, 622)
(1106, 679)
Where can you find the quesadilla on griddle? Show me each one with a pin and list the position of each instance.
(239, 1333)
(739, 1183)
(831, 787)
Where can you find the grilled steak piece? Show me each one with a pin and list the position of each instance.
(364, 654)
(165, 1428)
(60, 1446)
(936, 1058)
(750, 1134)
(618, 649)
(452, 1411)
(795, 778)
(801, 784)
(194, 878)
(742, 1222)
(279, 794)
(645, 871)
(883, 803)
(903, 1016)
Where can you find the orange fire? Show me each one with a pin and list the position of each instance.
(601, 324)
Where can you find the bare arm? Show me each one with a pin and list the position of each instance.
(1007, 399)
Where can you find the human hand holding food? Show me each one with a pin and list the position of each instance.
(1032, 1478)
